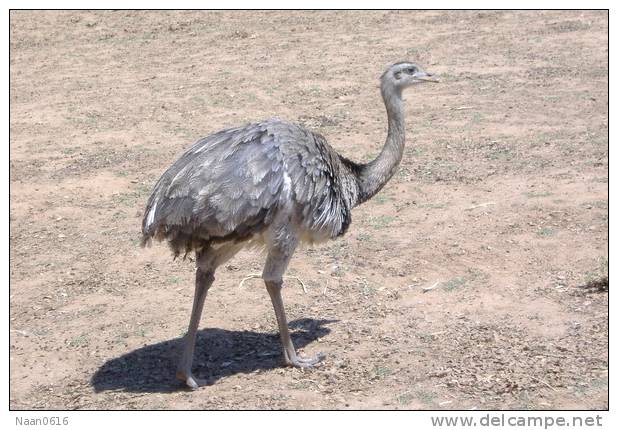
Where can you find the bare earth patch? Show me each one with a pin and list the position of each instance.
(476, 279)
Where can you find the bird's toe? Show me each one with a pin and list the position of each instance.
(191, 381)
(305, 362)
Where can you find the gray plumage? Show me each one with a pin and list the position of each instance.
(230, 186)
(272, 183)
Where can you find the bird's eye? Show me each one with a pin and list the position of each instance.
(412, 70)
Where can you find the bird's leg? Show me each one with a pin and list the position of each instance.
(276, 263)
(207, 262)
(203, 281)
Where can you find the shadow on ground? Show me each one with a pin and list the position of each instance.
(218, 353)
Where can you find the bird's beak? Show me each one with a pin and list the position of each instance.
(427, 77)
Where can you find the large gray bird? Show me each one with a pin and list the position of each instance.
(273, 184)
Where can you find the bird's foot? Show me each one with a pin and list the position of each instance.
(304, 362)
(191, 381)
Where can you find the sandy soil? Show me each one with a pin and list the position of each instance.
(501, 204)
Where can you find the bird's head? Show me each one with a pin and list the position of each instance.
(404, 74)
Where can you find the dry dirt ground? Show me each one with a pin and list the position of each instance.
(500, 204)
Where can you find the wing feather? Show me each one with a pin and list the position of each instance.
(314, 170)
(220, 182)
(232, 182)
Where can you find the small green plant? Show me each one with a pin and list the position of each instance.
(404, 398)
(121, 342)
(380, 372)
(119, 215)
(363, 237)
(298, 385)
(546, 232)
(535, 194)
(419, 191)
(604, 265)
(475, 118)
(78, 341)
(551, 98)
(69, 151)
(597, 384)
(425, 397)
(426, 337)
(381, 221)
(454, 283)
(432, 205)
(381, 199)
(40, 331)
(600, 271)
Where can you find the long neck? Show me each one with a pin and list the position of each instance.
(375, 174)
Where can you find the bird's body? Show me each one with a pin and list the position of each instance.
(271, 183)
(232, 186)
